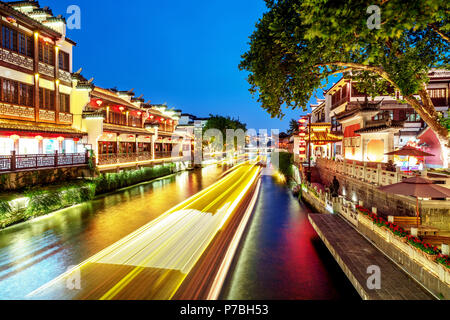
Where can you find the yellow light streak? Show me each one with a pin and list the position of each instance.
(198, 230)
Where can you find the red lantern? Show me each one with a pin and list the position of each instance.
(302, 128)
(302, 120)
(302, 134)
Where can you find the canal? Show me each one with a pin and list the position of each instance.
(281, 257)
(34, 253)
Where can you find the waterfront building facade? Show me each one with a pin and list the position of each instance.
(370, 128)
(35, 90)
(124, 131)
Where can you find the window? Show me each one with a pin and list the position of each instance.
(10, 91)
(6, 146)
(28, 146)
(412, 117)
(17, 41)
(46, 99)
(46, 53)
(26, 95)
(9, 38)
(64, 103)
(64, 61)
(17, 93)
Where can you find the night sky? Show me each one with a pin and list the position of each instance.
(179, 52)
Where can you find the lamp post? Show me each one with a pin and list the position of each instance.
(303, 121)
(309, 149)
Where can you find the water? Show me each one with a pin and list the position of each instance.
(36, 252)
(281, 257)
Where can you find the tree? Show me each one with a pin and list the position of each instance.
(297, 45)
(223, 124)
(293, 127)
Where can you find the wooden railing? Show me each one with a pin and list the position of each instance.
(14, 162)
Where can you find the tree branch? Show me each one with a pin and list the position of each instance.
(439, 32)
(426, 110)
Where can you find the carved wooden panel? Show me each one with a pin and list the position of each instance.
(16, 111)
(46, 69)
(16, 59)
(46, 115)
(65, 118)
(64, 76)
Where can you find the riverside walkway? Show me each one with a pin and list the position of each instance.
(355, 255)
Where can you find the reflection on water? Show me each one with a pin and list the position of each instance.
(36, 252)
(281, 257)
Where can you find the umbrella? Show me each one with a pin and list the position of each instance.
(418, 187)
(409, 151)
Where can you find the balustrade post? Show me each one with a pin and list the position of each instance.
(397, 174)
(364, 171)
(56, 158)
(379, 172)
(13, 160)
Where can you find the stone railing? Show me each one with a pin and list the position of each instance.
(424, 267)
(373, 173)
(418, 263)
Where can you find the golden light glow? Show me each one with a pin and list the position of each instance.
(175, 241)
(15, 137)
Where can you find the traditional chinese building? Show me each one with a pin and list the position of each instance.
(372, 128)
(35, 87)
(124, 131)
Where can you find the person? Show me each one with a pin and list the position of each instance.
(335, 187)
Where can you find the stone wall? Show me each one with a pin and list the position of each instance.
(433, 213)
(22, 179)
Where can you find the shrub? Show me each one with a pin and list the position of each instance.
(285, 162)
(444, 260)
(426, 247)
(42, 202)
(112, 181)
(5, 209)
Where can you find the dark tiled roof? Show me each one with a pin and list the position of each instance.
(379, 128)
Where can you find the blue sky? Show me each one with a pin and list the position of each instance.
(184, 53)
